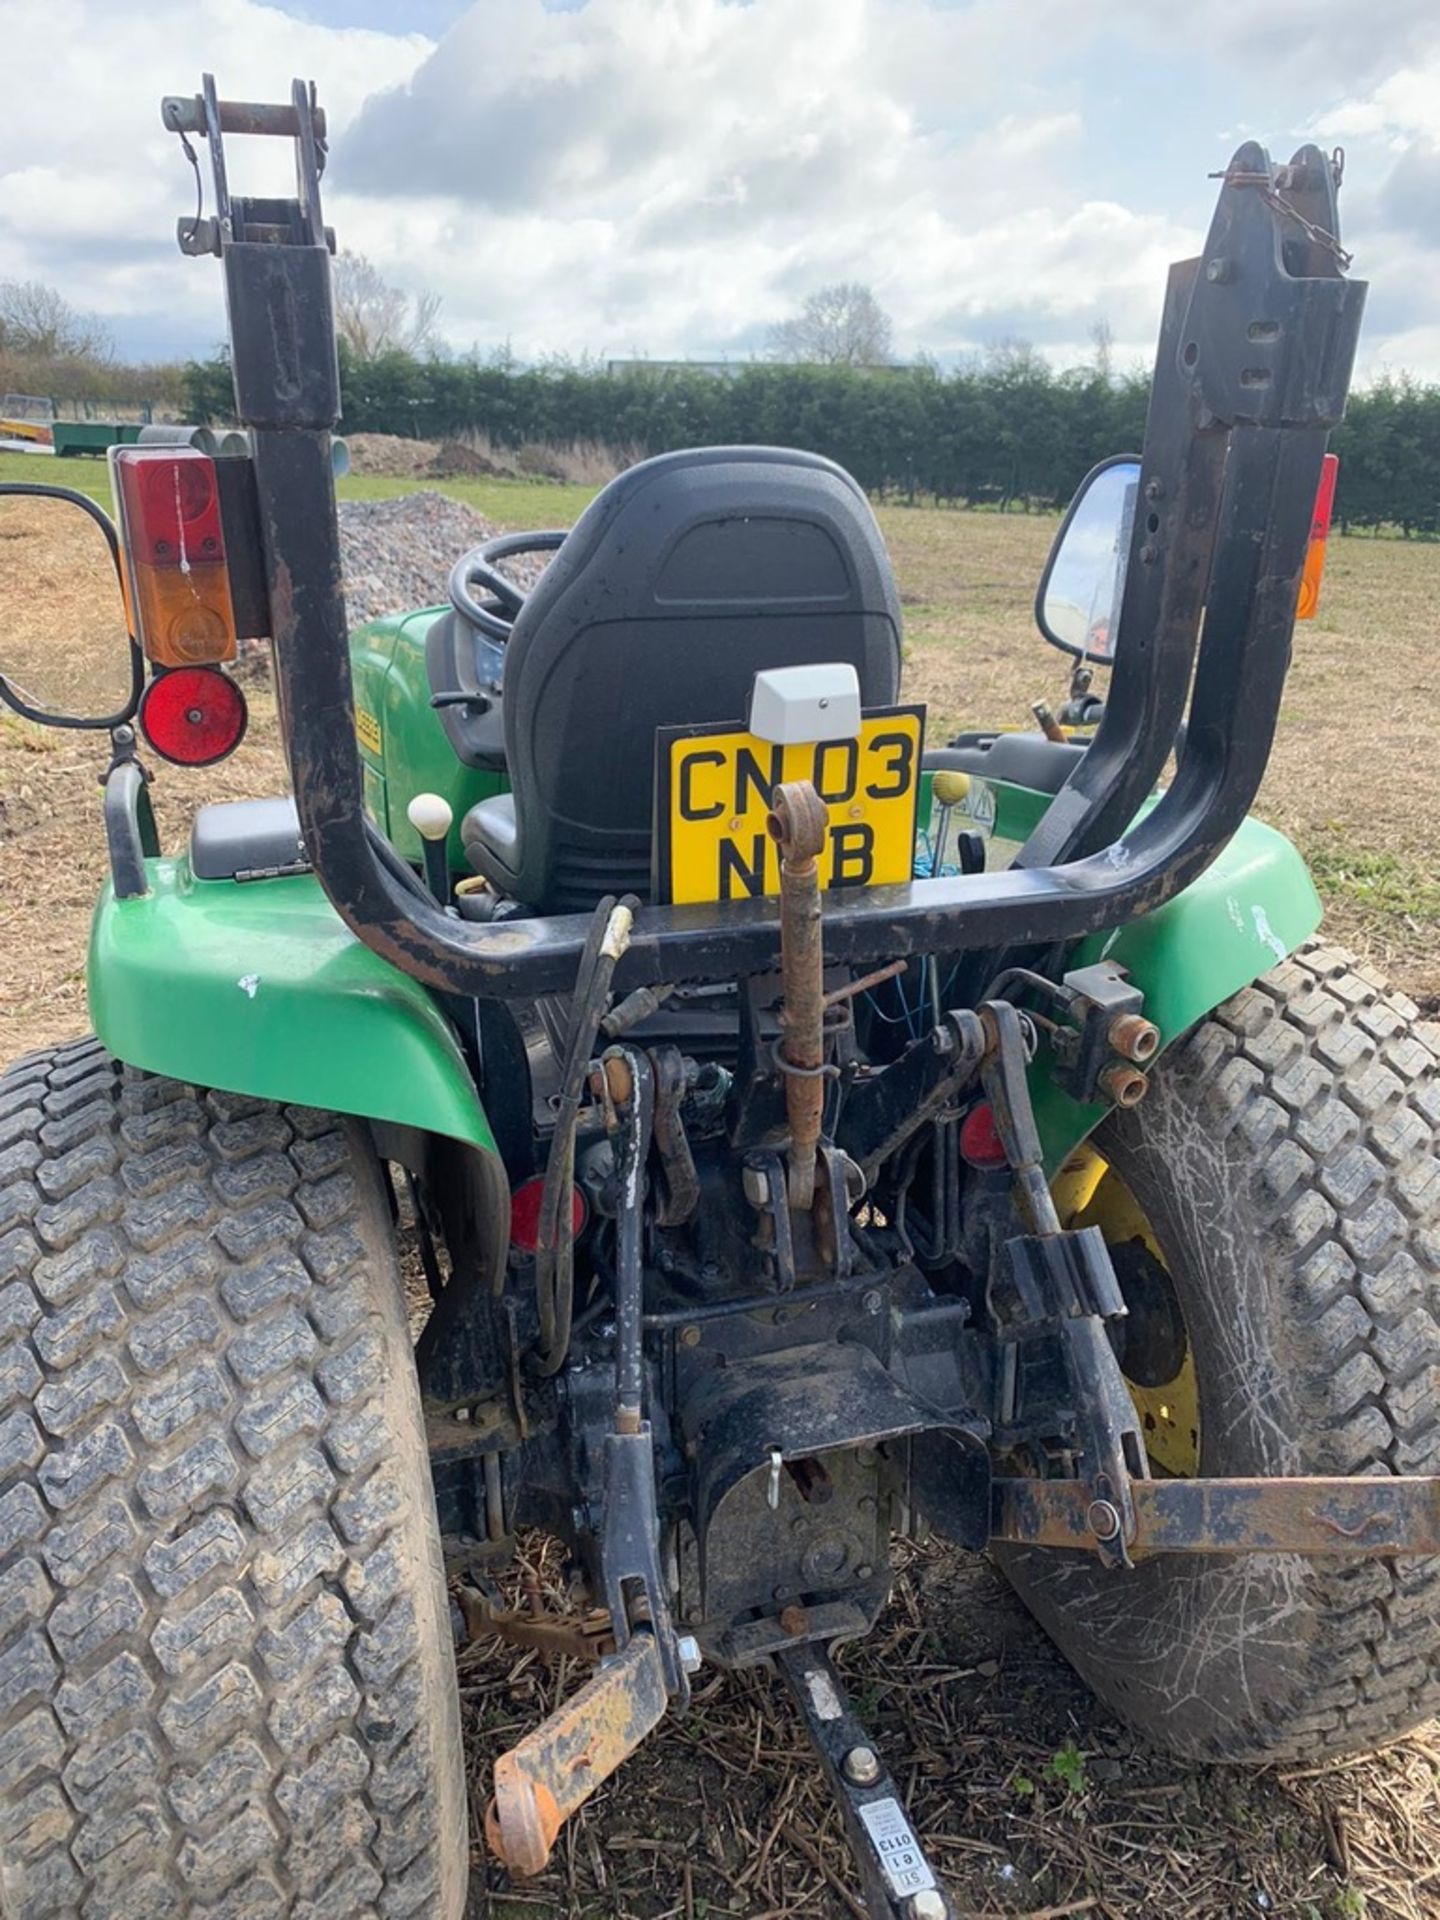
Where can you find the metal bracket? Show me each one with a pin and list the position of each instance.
(681, 1193)
(768, 1193)
(1273, 275)
(1111, 1039)
(1070, 1277)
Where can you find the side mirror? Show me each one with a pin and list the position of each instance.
(1077, 606)
(66, 658)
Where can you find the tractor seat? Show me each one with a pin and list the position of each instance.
(682, 580)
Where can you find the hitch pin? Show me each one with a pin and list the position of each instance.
(772, 1492)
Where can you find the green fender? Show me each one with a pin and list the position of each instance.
(257, 987)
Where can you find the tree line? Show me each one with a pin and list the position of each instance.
(51, 351)
(1011, 431)
(1007, 430)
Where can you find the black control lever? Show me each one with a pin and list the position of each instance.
(635, 1591)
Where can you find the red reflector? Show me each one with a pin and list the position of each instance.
(525, 1213)
(193, 716)
(980, 1143)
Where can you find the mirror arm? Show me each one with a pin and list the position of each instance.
(42, 716)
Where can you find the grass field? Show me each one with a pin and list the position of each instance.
(1034, 1801)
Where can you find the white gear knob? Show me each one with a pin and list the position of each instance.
(430, 814)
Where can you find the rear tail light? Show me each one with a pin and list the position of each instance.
(525, 1214)
(179, 585)
(1319, 533)
(193, 716)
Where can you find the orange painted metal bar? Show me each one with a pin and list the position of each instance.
(1311, 1516)
(555, 1769)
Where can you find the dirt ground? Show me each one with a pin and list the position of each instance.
(1032, 1800)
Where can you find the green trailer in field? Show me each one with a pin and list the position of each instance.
(72, 437)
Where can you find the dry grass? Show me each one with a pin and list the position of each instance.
(1032, 1799)
(1354, 778)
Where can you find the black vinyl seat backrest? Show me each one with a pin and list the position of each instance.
(684, 578)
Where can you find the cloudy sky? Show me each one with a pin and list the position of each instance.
(668, 177)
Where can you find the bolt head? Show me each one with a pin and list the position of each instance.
(1103, 1520)
(861, 1766)
(688, 1648)
(871, 1300)
(929, 1905)
(690, 1337)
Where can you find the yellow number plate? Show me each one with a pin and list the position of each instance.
(712, 792)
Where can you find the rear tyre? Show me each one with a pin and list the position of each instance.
(226, 1684)
(1286, 1161)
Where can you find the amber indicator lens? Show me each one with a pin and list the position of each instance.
(170, 527)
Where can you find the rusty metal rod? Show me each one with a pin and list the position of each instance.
(798, 822)
(865, 983)
(185, 113)
(1314, 1516)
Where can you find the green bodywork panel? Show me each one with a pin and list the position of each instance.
(403, 747)
(1246, 912)
(257, 987)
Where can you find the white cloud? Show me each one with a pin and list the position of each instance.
(668, 176)
(673, 176)
(90, 181)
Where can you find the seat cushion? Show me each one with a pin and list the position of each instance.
(683, 579)
(1022, 759)
(490, 840)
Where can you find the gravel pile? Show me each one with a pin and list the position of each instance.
(397, 554)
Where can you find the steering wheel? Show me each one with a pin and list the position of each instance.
(496, 614)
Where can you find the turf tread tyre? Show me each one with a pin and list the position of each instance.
(226, 1684)
(1288, 1156)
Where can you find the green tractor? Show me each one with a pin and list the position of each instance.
(810, 1135)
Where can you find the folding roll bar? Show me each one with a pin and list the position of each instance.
(1254, 361)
